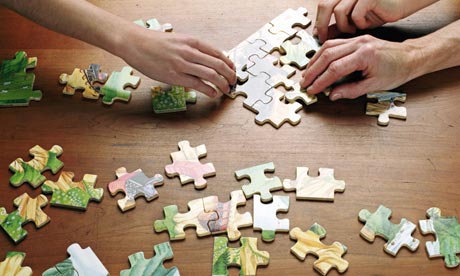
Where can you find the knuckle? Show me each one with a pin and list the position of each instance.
(328, 54)
(335, 68)
(327, 44)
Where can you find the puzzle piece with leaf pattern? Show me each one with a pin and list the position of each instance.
(259, 183)
(153, 266)
(173, 100)
(69, 194)
(134, 184)
(11, 266)
(309, 242)
(265, 216)
(31, 171)
(28, 209)
(385, 107)
(114, 88)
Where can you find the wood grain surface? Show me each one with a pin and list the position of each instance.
(408, 166)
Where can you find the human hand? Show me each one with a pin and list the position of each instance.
(384, 65)
(179, 60)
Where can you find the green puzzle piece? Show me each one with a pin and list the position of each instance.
(174, 100)
(19, 64)
(154, 266)
(64, 268)
(12, 224)
(114, 87)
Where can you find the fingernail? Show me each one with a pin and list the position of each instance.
(309, 89)
(336, 96)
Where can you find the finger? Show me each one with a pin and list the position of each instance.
(342, 13)
(196, 84)
(352, 90)
(208, 74)
(359, 13)
(323, 17)
(328, 44)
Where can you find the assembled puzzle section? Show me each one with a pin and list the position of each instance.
(321, 187)
(259, 183)
(173, 100)
(16, 85)
(309, 242)
(154, 266)
(385, 107)
(114, 88)
(69, 194)
(28, 209)
(265, 218)
(82, 262)
(11, 266)
(247, 257)
(187, 166)
(134, 185)
(447, 233)
(396, 235)
(31, 171)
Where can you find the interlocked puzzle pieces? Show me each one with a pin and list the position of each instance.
(82, 262)
(259, 183)
(153, 266)
(447, 232)
(11, 266)
(67, 193)
(247, 257)
(114, 88)
(385, 107)
(321, 187)
(134, 184)
(16, 85)
(329, 256)
(31, 171)
(173, 100)
(397, 235)
(28, 209)
(208, 215)
(265, 216)
(186, 164)
(83, 80)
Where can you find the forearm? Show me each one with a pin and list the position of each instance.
(409, 6)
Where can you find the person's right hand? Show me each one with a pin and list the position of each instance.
(179, 60)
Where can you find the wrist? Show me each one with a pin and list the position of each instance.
(415, 58)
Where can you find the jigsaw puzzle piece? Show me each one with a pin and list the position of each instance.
(78, 81)
(154, 25)
(19, 64)
(265, 216)
(82, 262)
(385, 107)
(272, 41)
(240, 57)
(299, 94)
(309, 242)
(397, 235)
(447, 232)
(173, 100)
(289, 19)
(259, 183)
(69, 194)
(94, 75)
(187, 166)
(28, 209)
(276, 112)
(277, 75)
(296, 54)
(17, 90)
(114, 88)
(387, 96)
(254, 90)
(247, 257)
(11, 266)
(321, 187)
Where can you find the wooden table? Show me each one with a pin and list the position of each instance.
(408, 166)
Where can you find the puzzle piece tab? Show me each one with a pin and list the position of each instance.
(114, 88)
(385, 107)
(265, 216)
(277, 112)
(309, 242)
(11, 266)
(397, 235)
(82, 262)
(321, 187)
(247, 257)
(447, 232)
(28, 209)
(153, 266)
(78, 81)
(69, 194)
(299, 94)
(134, 184)
(187, 166)
(173, 100)
(31, 171)
(259, 183)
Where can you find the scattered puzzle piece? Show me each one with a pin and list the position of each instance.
(11, 266)
(69, 194)
(78, 81)
(329, 256)
(397, 235)
(289, 19)
(153, 266)
(82, 262)
(447, 232)
(259, 183)
(278, 76)
(31, 171)
(186, 164)
(28, 209)
(114, 88)
(173, 100)
(299, 94)
(321, 187)
(134, 184)
(385, 107)
(247, 257)
(265, 216)
(19, 64)
(154, 25)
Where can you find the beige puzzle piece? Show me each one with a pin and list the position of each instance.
(259, 183)
(289, 19)
(299, 94)
(278, 76)
(272, 41)
(254, 90)
(78, 81)
(11, 266)
(385, 111)
(240, 57)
